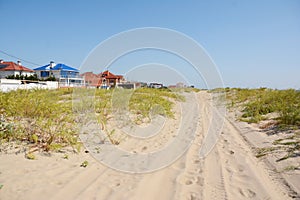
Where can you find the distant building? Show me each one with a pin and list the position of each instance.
(156, 85)
(109, 79)
(105, 79)
(180, 85)
(91, 79)
(14, 69)
(66, 76)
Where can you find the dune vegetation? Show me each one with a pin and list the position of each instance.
(46, 119)
(256, 104)
(280, 112)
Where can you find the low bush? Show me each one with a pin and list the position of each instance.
(256, 103)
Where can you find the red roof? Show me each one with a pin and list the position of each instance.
(90, 75)
(11, 66)
(97, 79)
(107, 74)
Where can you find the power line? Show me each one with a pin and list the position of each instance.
(26, 61)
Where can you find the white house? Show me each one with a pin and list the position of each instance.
(13, 69)
(65, 75)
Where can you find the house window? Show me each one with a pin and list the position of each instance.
(44, 74)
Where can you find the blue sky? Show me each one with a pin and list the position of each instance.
(253, 43)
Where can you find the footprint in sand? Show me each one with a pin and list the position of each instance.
(188, 182)
(196, 161)
(240, 168)
(185, 181)
(144, 148)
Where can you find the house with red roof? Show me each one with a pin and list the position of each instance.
(11, 68)
(105, 79)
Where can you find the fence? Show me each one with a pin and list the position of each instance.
(7, 85)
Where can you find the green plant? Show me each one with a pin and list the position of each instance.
(260, 152)
(45, 119)
(30, 156)
(291, 168)
(256, 103)
(84, 164)
(38, 117)
(6, 128)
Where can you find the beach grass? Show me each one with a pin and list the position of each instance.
(47, 119)
(40, 118)
(257, 103)
(281, 111)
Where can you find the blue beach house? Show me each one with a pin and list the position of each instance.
(66, 76)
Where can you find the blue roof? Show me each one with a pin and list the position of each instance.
(58, 66)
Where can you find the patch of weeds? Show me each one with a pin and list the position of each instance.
(66, 156)
(111, 138)
(290, 168)
(260, 152)
(291, 144)
(38, 118)
(256, 103)
(97, 149)
(84, 164)
(30, 156)
(144, 100)
(141, 103)
(34, 138)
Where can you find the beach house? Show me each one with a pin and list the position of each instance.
(14, 69)
(105, 79)
(66, 76)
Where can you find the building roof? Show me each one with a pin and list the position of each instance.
(90, 74)
(11, 66)
(58, 66)
(109, 75)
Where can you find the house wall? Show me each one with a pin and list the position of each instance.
(92, 80)
(4, 74)
(56, 73)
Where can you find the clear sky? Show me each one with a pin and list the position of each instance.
(254, 43)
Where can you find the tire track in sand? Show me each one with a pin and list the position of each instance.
(233, 172)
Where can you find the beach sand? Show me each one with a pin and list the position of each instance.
(230, 171)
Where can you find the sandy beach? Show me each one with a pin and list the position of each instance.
(230, 171)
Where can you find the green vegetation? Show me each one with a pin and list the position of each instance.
(38, 118)
(288, 146)
(47, 119)
(22, 77)
(158, 101)
(84, 164)
(30, 78)
(257, 103)
(280, 107)
(291, 168)
(141, 103)
(30, 156)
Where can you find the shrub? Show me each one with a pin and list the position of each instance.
(256, 103)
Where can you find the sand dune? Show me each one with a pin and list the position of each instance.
(230, 171)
